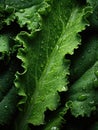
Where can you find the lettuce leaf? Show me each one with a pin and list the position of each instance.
(8, 93)
(83, 92)
(36, 37)
(45, 70)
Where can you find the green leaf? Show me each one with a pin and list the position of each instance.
(45, 70)
(4, 43)
(82, 94)
(31, 17)
(8, 45)
(94, 16)
(85, 57)
(56, 119)
(8, 107)
(8, 93)
(84, 73)
(20, 4)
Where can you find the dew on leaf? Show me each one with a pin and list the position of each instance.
(42, 65)
(57, 47)
(40, 54)
(91, 103)
(61, 4)
(81, 107)
(42, 42)
(28, 16)
(82, 97)
(28, 22)
(54, 128)
(6, 106)
(51, 48)
(6, 6)
(95, 82)
(96, 73)
(21, 10)
(41, 47)
(63, 88)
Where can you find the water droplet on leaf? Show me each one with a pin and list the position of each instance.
(28, 22)
(21, 10)
(54, 128)
(41, 47)
(82, 97)
(95, 82)
(81, 107)
(6, 106)
(83, 89)
(28, 16)
(57, 47)
(6, 6)
(96, 73)
(42, 65)
(91, 103)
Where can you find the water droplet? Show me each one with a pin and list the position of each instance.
(6, 6)
(6, 106)
(91, 103)
(42, 65)
(81, 107)
(41, 47)
(95, 82)
(82, 97)
(57, 47)
(40, 54)
(21, 10)
(57, 77)
(63, 88)
(42, 42)
(28, 22)
(28, 16)
(54, 128)
(61, 4)
(83, 89)
(51, 48)
(96, 73)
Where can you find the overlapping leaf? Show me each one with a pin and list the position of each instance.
(83, 92)
(8, 93)
(47, 31)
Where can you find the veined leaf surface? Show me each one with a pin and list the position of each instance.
(43, 56)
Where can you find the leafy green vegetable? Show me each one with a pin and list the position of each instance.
(49, 65)
(83, 93)
(44, 84)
